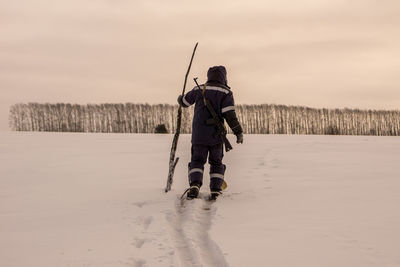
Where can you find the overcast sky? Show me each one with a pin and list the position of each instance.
(318, 53)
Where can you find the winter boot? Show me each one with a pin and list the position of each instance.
(193, 191)
(215, 194)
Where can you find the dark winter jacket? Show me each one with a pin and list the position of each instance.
(220, 96)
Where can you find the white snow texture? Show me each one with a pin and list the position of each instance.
(97, 200)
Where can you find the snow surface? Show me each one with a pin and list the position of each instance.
(98, 200)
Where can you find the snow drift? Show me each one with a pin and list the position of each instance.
(98, 200)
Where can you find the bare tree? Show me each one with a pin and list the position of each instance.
(143, 118)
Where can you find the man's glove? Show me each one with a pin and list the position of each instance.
(180, 100)
(239, 138)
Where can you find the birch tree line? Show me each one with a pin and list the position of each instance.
(255, 119)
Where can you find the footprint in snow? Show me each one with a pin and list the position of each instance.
(139, 242)
(147, 221)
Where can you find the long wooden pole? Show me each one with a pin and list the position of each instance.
(172, 160)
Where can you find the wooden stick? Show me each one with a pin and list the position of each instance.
(172, 160)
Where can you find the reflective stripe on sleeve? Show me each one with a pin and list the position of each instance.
(184, 101)
(228, 108)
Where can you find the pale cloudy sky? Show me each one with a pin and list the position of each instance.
(319, 53)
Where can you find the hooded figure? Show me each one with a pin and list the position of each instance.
(217, 75)
(205, 139)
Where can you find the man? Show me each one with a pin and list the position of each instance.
(205, 140)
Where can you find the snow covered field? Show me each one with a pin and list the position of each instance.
(98, 200)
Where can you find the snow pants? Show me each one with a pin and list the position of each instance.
(215, 154)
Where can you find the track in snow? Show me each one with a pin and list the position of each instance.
(190, 224)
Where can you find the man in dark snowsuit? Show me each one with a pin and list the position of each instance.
(205, 140)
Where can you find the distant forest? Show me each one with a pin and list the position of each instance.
(255, 119)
